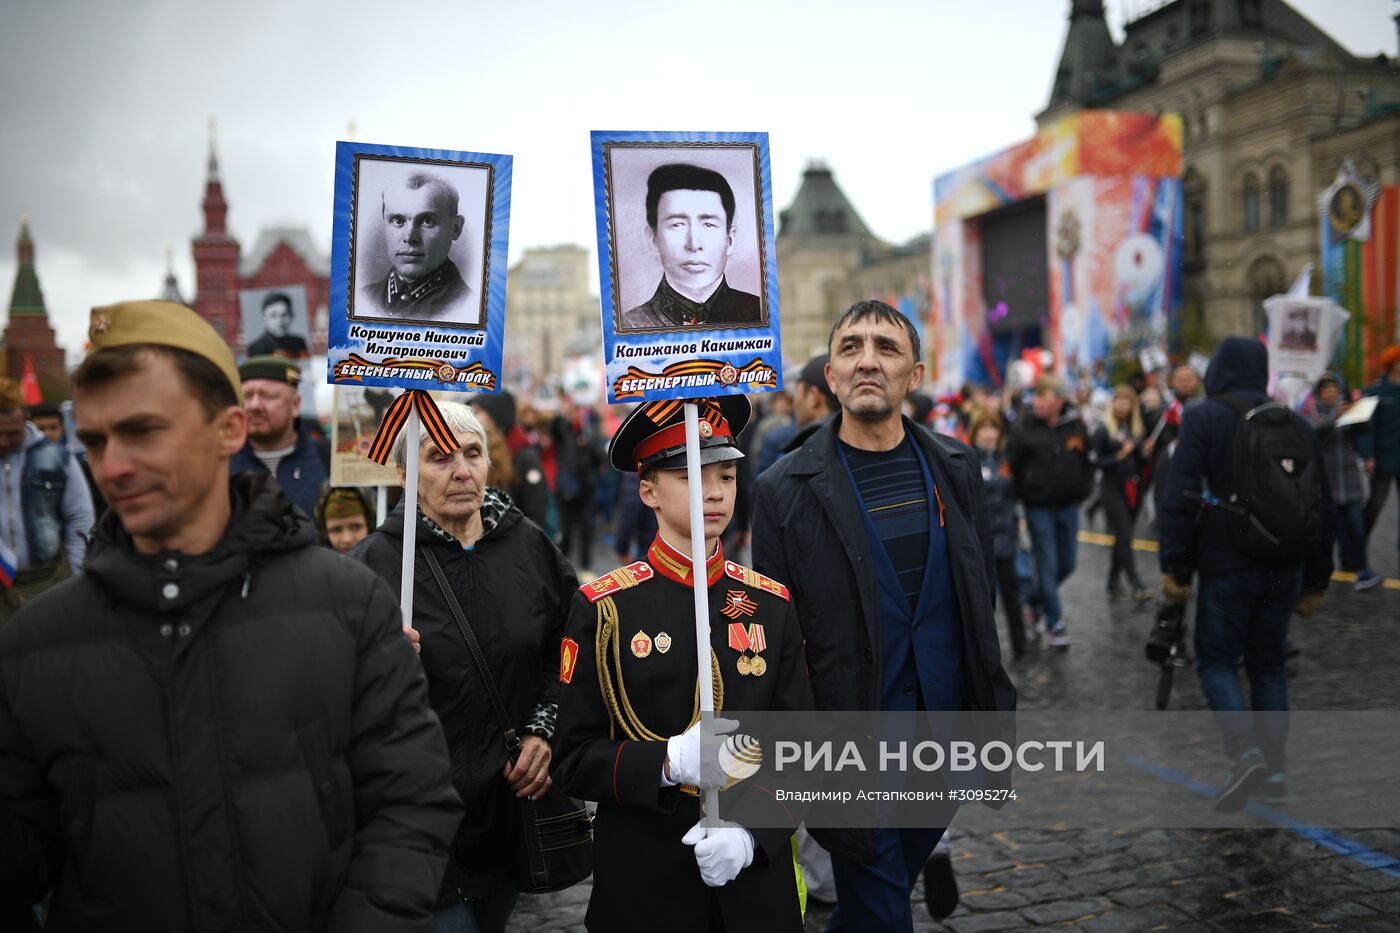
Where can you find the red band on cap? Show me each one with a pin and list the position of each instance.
(674, 436)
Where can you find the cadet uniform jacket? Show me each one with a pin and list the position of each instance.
(628, 673)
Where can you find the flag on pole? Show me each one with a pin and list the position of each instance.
(29, 383)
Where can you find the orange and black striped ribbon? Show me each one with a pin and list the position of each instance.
(397, 416)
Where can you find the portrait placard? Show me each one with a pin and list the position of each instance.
(418, 268)
(687, 264)
(1303, 334)
(358, 412)
(275, 322)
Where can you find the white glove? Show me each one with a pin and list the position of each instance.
(721, 855)
(697, 764)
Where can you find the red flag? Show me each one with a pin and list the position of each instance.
(1173, 416)
(29, 383)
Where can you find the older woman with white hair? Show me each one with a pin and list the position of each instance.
(514, 588)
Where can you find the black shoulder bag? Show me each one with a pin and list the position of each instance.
(551, 839)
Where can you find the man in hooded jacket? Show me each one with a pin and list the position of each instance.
(217, 725)
(1243, 606)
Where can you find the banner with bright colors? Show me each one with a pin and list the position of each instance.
(1360, 236)
(1110, 183)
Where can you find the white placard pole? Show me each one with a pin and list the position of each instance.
(700, 578)
(381, 504)
(410, 517)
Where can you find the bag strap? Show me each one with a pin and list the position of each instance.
(512, 740)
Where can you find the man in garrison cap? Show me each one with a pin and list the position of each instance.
(217, 724)
(631, 635)
(278, 443)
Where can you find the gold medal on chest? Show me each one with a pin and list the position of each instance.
(641, 644)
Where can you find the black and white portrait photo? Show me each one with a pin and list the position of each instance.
(1300, 329)
(687, 236)
(421, 241)
(275, 321)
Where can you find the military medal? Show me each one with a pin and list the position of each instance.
(744, 665)
(641, 644)
(757, 666)
(662, 642)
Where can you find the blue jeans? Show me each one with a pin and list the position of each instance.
(876, 897)
(1055, 544)
(1245, 614)
(486, 915)
(1351, 534)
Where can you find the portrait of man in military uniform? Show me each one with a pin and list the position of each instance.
(628, 733)
(421, 244)
(274, 321)
(686, 239)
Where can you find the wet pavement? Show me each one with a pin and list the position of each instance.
(1166, 879)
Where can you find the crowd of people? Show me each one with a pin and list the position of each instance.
(161, 770)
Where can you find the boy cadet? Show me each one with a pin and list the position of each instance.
(628, 733)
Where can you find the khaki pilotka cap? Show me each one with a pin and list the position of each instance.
(164, 324)
(10, 395)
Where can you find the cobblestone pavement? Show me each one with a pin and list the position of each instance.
(1104, 881)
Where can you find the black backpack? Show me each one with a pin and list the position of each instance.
(1276, 507)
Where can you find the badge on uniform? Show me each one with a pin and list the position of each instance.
(641, 644)
(738, 604)
(568, 657)
(663, 642)
(748, 640)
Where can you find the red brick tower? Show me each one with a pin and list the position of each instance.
(216, 258)
(28, 331)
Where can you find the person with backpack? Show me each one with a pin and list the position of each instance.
(1245, 508)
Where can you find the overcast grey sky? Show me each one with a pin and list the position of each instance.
(105, 106)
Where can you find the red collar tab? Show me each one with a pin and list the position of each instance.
(674, 565)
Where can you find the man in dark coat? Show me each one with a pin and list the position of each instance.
(628, 719)
(1244, 605)
(218, 725)
(880, 529)
(690, 221)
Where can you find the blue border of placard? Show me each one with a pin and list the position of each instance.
(473, 368)
(740, 369)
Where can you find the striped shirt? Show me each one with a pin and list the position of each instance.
(891, 487)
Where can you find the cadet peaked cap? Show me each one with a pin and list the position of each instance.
(162, 324)
(653, 435)
(1390, 356)
(273, 368)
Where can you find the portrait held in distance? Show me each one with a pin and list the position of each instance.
(275, 322)
(687, 264)
(1300, 328)
(686, 236)
(421, 241)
